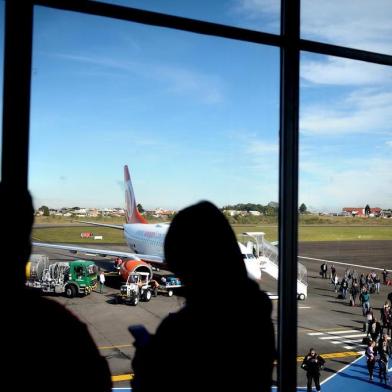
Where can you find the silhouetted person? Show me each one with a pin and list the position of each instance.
(223, 338)
(46, 346)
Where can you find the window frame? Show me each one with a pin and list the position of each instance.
(16, 112)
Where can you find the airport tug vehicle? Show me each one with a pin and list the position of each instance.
(139, 287)
(72, 278)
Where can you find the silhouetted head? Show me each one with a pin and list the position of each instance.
(17, 219)
(202, 249)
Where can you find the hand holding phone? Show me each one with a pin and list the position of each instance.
(140, 333)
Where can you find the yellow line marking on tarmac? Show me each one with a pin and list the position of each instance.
(122, 377)
(343, 354)
(129, 377)
(109, 347)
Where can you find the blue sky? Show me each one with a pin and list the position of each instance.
(196, 117)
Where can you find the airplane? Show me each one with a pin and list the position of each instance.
(145, 241)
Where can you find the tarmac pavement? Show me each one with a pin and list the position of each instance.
(326, 323)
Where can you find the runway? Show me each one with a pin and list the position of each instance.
(327, 324)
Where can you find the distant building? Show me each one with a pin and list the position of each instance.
(359, 211)
(232, 212)
(160, 212)
(386, 213)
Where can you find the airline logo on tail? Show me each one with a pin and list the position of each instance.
(132, 213)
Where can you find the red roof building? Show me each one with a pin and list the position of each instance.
(361, 211)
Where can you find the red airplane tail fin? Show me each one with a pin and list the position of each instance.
(132, 214)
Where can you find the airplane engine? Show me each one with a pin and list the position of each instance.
(130, 266)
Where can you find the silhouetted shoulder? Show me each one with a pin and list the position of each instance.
(56, 347)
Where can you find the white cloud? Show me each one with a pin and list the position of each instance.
(362, 111)
(257, 147)
(253, 9)
(183, 81)
(337, 71)
(357, 182)
(363, 24)
(389, 143)
(179, 80)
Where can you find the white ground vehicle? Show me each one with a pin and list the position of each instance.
(136, 288)
(139, 287)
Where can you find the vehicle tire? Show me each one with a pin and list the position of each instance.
(301, 296)
(147, 296)
(170, 293)
(70, 291)
(135, 300)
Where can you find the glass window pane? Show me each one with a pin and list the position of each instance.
(359, 24)
(262, 15)
(193, 117)
(2, 16)
(345, 160)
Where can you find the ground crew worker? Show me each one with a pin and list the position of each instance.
(313, 363)
(101, 281)
(154, 287)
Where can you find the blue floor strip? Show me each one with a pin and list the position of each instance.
(352, 378)
(355, 378)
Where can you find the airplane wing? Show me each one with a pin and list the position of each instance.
(118, 227)
(101, 252)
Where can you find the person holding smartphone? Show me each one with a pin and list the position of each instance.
(221, 331)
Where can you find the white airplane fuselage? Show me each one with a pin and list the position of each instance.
(149, 239)
(146, 238)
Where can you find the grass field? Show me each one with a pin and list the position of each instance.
(326, 233)
(308, 219)
(71, 234)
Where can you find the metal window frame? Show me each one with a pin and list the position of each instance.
(16, 112)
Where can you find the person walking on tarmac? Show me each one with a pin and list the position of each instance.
(371, 358)
(324, 270)
(313, 363)
(384, 276)
(365, 301)
(354, 291)
(333, 273)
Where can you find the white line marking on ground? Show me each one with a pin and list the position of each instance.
(352, 341)
(354, 336)
(327, 337)
(304, 307)
(315, 333)
(340, 370)
(342, 332)
(339, 262)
